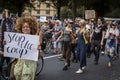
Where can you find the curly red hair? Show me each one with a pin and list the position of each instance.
(30, 20)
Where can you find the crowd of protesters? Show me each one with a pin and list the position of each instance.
(77, 38)
(80, 38)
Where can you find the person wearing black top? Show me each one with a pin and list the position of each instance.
(7, 24)
(98, 38)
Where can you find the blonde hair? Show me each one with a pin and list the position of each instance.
(83, 22)
(30, 20)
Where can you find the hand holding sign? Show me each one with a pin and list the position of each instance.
(22, 46)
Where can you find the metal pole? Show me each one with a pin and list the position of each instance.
(84, 4)
(30, 8)
(83, 12)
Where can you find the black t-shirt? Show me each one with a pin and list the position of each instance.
(97, 35)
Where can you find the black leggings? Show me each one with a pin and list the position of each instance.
(96, 49)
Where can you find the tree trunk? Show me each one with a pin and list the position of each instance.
(58, 8)
(73, 9)
(58, 12)
(102, 9)
(19, 11)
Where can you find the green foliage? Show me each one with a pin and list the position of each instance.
(15, 5)
(114, 10)
(115, 13)
(58, 4)
(102, 7)
(67, 13)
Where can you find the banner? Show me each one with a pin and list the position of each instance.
(22, 46)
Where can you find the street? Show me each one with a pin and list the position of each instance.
(53, 70)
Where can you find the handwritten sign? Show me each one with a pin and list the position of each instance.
(22, 46)
(89, 14)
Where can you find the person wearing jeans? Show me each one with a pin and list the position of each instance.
(98, 35)
(66, 43)
(82, 45)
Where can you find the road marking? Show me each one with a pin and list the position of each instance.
(52, 56)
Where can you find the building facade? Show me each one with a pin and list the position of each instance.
(43, 9)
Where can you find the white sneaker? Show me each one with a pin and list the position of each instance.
(79, 71)
(83, 68)
(102, 52)
(109, 64)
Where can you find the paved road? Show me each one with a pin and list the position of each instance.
(53, 70)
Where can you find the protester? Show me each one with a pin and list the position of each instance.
(118, 40)
(111, 44)
(7, 24)
(56, 33)
(47, 35)
(73, 45)
(82, 44)
(25, 69)
(75, 27)
(98, 35)
(66, 43)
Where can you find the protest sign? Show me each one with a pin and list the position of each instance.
(90, 14)
(22, 46)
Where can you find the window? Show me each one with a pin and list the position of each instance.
(47, 5)
(38, 17)
(47, 11)
(38, 11)
(38, 5)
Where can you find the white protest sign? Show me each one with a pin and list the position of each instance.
(42, 18)
(22, 46)
(90, 14)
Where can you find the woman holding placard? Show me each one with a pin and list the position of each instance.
(25, 69)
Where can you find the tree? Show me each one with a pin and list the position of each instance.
(114, 9)
(58, 4)
(72, 4)
(16, 6)
(104, 7)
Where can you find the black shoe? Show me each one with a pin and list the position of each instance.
(68, 65)
(65, 68)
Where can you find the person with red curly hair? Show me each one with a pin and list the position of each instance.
(25, 69)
